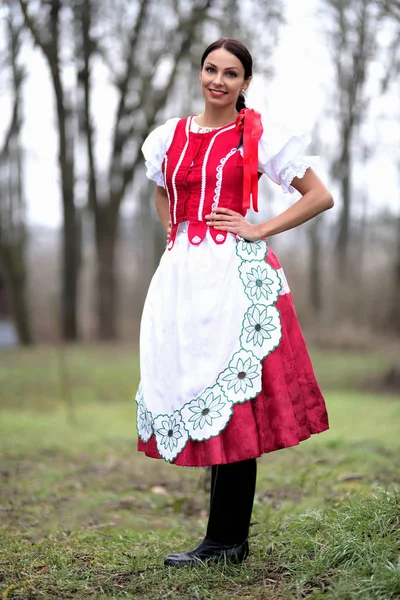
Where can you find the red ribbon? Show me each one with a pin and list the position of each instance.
(249, 121)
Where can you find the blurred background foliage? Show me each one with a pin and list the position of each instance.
(87, 278)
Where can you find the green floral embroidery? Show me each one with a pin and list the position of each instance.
(144, 423)
(252, 250)
(262, 330)
(258, 325)
(259, 283)
(206, 410)
(170, 433)
(206, 415)
(240, 375)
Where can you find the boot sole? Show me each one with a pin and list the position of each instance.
(198, 562)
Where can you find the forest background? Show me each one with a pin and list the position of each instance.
(82, 84)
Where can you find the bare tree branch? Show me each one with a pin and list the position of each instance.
(32, 26)
(118, 139)
(85, 49)
(354, 46)
(11, 127)
(390, 11)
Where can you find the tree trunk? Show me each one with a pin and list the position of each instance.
(71, 250)
(362, 240)
(107, 284)
(344, 219)
(396, 287)
(13, 262)
(315, 267)
(50, 46)
(17, 287)
(12, 204)
(70, 272)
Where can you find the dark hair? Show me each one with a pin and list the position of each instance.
(240, 51)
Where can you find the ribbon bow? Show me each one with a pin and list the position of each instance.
(249, 121)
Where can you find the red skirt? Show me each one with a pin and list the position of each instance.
(289, 409)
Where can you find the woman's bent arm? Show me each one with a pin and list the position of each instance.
(315, 199)
(162, 206)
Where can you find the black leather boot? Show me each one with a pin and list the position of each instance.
(208, 551)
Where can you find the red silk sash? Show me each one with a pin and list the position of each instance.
(249, 121)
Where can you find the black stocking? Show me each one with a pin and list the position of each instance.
(231, 501)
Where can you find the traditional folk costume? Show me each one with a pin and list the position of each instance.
(225, 373)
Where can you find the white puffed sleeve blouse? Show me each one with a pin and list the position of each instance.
(280, 157)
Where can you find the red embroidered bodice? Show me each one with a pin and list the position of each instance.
(203, 171)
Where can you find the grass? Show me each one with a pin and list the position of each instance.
(83, 515)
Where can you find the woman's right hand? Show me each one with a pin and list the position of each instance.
(169, 229)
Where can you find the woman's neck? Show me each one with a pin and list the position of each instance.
(213, 118)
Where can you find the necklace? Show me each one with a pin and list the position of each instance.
(206, 129)
(201, 129)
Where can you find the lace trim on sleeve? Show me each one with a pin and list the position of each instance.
(289, 172)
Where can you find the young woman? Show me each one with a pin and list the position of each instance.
(225, 373)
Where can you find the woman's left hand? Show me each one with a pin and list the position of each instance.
(224, 219)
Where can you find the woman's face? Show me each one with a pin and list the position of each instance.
(222, 78)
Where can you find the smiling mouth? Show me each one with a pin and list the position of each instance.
(218, 92)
